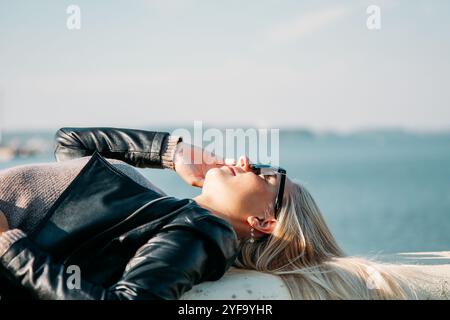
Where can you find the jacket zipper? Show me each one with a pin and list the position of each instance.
(87, 242)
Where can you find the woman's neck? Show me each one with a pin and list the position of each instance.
(205, 202)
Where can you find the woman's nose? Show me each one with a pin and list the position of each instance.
(244, 163)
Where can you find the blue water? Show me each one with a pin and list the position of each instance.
(380, 192)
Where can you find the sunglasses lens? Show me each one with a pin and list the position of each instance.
(263, 169)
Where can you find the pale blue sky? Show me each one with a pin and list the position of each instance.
(243, 63)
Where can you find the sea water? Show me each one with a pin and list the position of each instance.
(380, 192)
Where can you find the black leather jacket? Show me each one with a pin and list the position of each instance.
(127, 241)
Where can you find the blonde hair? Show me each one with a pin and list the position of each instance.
(305, 254)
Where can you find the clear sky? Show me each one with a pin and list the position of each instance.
(265, 63)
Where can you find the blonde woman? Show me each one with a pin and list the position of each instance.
(282, 231)
(129, 240)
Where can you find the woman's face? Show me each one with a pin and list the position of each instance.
(239, 193)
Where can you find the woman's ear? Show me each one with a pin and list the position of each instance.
(265, 226)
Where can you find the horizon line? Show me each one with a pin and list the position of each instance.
(306, 129)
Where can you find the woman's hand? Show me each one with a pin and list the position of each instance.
(3, 223)
(192, 163)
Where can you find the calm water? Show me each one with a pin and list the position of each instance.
(379, 192)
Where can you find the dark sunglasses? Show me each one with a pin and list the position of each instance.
(268, 170)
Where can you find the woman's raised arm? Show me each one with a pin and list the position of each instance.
(140, 148)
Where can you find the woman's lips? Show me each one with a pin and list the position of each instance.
(232, 171)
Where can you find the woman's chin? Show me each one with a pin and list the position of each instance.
(215, 177)
(212, 173)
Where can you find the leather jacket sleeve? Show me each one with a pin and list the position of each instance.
(139, 148)
(160, 269)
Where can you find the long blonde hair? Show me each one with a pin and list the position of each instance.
(302, 250)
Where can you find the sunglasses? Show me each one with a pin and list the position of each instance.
(268, 170)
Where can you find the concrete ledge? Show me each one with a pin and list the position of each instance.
(253, 285)
(241, 284)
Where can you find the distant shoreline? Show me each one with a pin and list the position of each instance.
(286, 129)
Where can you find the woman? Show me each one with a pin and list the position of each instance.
(280, 230)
